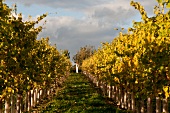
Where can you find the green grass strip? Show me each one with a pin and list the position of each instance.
(78, 96)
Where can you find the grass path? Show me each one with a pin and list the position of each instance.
(78, 96)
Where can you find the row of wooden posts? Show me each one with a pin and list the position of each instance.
(16, 103)
(126, 100)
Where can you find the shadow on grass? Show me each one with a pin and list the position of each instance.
(78, 96)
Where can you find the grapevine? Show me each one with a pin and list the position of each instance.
(25, 62)
(137, 61)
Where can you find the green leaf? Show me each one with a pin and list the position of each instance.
(159, 1)
(168, 5)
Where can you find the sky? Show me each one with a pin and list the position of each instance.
(72, 24)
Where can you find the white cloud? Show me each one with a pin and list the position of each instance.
(100, 17)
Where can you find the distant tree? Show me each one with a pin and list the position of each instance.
(83, 53)
(66, 53)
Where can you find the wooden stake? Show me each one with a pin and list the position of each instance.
(1, 106)
(133, 102)
(12, 104)
(129, 100)
(158, 105)
(125, 99)
(149, 105)
(142, 106)
(165, 105)
(7, 104)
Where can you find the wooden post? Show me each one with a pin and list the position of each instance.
(41, 93)
(7, 104)
(52, 91)
(26, 102)
(142, 106)
(77, 68)
(12, 104)
(108, 91)
(32, 98)
(149, 105)
(101, 85)
(105, 89)
(125, 99)
(95, 80)
(35, 97)
(48, 93)
(111, 91)
(133, 102)
(165, 105)
(122, 98)
(158, 105)
(129, 100)
(22, 102)
(114, 93)
(38, 96)
(97, 83)
(45, 93)
(137, 105)
(29, 100)
(18, 104)
(91, 78)
(117, 95)
(1, 106)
